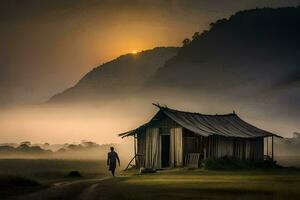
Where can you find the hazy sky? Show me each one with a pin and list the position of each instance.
(47, 45)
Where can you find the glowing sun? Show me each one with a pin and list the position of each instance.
(134, 52)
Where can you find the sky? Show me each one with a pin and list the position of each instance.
(47, 46)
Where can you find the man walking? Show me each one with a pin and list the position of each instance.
(112, 158)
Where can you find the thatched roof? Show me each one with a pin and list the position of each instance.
(228, 125)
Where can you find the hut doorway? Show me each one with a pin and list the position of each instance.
(165, 151)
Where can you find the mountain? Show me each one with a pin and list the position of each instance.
(252, 56)
(120, 77)
(249, 61)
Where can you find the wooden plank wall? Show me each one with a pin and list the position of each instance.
(141, 148)
(176, 141)
(208, 147)
(241, 148)
(194, 143)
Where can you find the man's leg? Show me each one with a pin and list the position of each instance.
(113, 171)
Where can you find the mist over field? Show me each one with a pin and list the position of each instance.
(231, 65)
(101, 122)
(74, 75)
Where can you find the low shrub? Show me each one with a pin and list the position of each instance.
(74, 174)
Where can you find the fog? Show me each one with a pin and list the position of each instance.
(101, 122)
(63, 124)
(49, 47)
(84, 150)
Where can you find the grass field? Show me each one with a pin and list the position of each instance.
(168, 184)
(48, 171)
(44, 172)
(201, 184)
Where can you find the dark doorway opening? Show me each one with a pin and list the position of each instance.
(165, 151)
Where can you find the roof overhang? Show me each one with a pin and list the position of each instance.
(228, 125)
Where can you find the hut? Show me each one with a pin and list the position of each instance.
(174, 138)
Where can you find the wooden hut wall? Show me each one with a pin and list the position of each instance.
(211, 147)
(153, 148)
(249, 149)
(193, 143)
(239, 148)
(141, 148)
(256, 149)
(244, 149)
(176, 147)
(163, 124)
(190, 142)
(183, 141)
(223, 147)
(162, 121)
(167, 125)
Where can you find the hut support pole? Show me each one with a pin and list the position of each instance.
(208, 144)
(267, 146)
(272, 148)
(134, 141)
(174, 149)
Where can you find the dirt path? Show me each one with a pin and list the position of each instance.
(91, 189)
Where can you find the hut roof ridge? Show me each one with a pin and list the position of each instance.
(197, 113)
(226, 125)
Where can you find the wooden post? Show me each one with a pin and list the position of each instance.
(272, 148)
(134, 144)
(208, 147)
(267, 146)
(174, 148)
(204, 148)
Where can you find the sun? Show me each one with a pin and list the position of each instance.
(134, 52)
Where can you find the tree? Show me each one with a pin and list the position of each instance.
(196, 34)
(186, 42)
(218, 22)
(26, 143)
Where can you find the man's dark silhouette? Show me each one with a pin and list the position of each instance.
(112, 158)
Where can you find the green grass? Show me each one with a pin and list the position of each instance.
(168, 184)
(20, 176)
(202, 184)
(49, 171)
(17, 181)
(12, 184)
